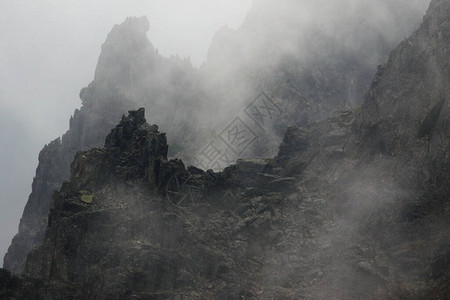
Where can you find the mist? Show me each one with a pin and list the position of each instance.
(49, 51)
(299, 148)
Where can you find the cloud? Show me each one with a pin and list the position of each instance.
(49, 49)
(48, 52)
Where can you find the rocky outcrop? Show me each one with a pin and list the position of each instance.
(134, 153)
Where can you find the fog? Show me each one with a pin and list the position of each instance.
(48, 52)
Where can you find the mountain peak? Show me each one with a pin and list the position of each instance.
(126, 52)
(136, 23)
(132, 128)
(133, 150)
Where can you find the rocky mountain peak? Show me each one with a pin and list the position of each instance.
(130, 127)
(126, 53)
(439, 9)
(134, 150)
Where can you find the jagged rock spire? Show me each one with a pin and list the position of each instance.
(126, 53)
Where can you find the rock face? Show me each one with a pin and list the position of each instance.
(415, 103)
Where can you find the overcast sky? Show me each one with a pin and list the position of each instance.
(48, 52)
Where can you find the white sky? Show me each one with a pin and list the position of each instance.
(48, 52)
